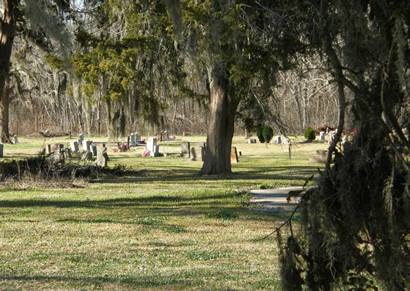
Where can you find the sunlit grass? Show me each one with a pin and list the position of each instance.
(165, 228)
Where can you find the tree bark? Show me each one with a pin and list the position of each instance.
(7, 30)
(222, 109)
(4, 113)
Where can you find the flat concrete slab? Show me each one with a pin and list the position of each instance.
(274, 199)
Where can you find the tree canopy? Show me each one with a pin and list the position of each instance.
(111, 66)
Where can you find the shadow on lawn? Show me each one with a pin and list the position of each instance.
(143, 281)
(152, 202)
(300, 173)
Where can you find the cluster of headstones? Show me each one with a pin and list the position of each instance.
(196, 153)
(193, 153)
(89, 151)
(277, 139)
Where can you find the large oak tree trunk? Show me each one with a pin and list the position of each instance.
(4, 113)
(221, 124)
(7, 30)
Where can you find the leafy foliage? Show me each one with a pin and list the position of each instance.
(267, 133)
(259, 133)
(356, 223)
(264, 133)
(310, 134)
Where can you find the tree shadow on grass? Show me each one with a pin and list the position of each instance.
(144, 281)
(152, 201)
(176, 174)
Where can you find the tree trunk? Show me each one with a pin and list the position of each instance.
(4, 114)
(7, 29)
(221, 124)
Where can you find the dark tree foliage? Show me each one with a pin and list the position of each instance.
(310, 134)
(355, 225)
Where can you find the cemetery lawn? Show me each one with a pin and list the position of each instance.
(165, 228)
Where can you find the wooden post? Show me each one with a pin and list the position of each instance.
(290, 150)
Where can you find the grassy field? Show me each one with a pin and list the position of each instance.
(165, 228)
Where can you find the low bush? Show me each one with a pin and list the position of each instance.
(310, 134)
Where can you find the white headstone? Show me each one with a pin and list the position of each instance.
(48, 149)
(322, 136)
(87, 145)
(102, 157)
(152, 146)
(74, 146)
(15, 139)
(277, 139)
(332, 135)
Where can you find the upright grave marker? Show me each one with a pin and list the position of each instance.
(74, 146)
(152, 146)
(87, 145)
(186, 149)
(81, 138)
(234, 155)
(94, 149)
(322, 136)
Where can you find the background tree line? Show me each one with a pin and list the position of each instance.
(109, 67)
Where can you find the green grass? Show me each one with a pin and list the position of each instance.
(166, 228)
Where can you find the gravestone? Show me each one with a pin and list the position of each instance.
(87, 145)
(322, 136)
(67, 154)
(94, 149)
(1, 150)
(133, 139)
(193, 154)
(137, 138)
(102, 157)
(156, 151)
(332, 135)
(186, 149)
(74, 147)
(48, 149)
(15, 139)
(277, 139)
(234, 155)
(252, 140)
(81, 138)
(152, 146)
